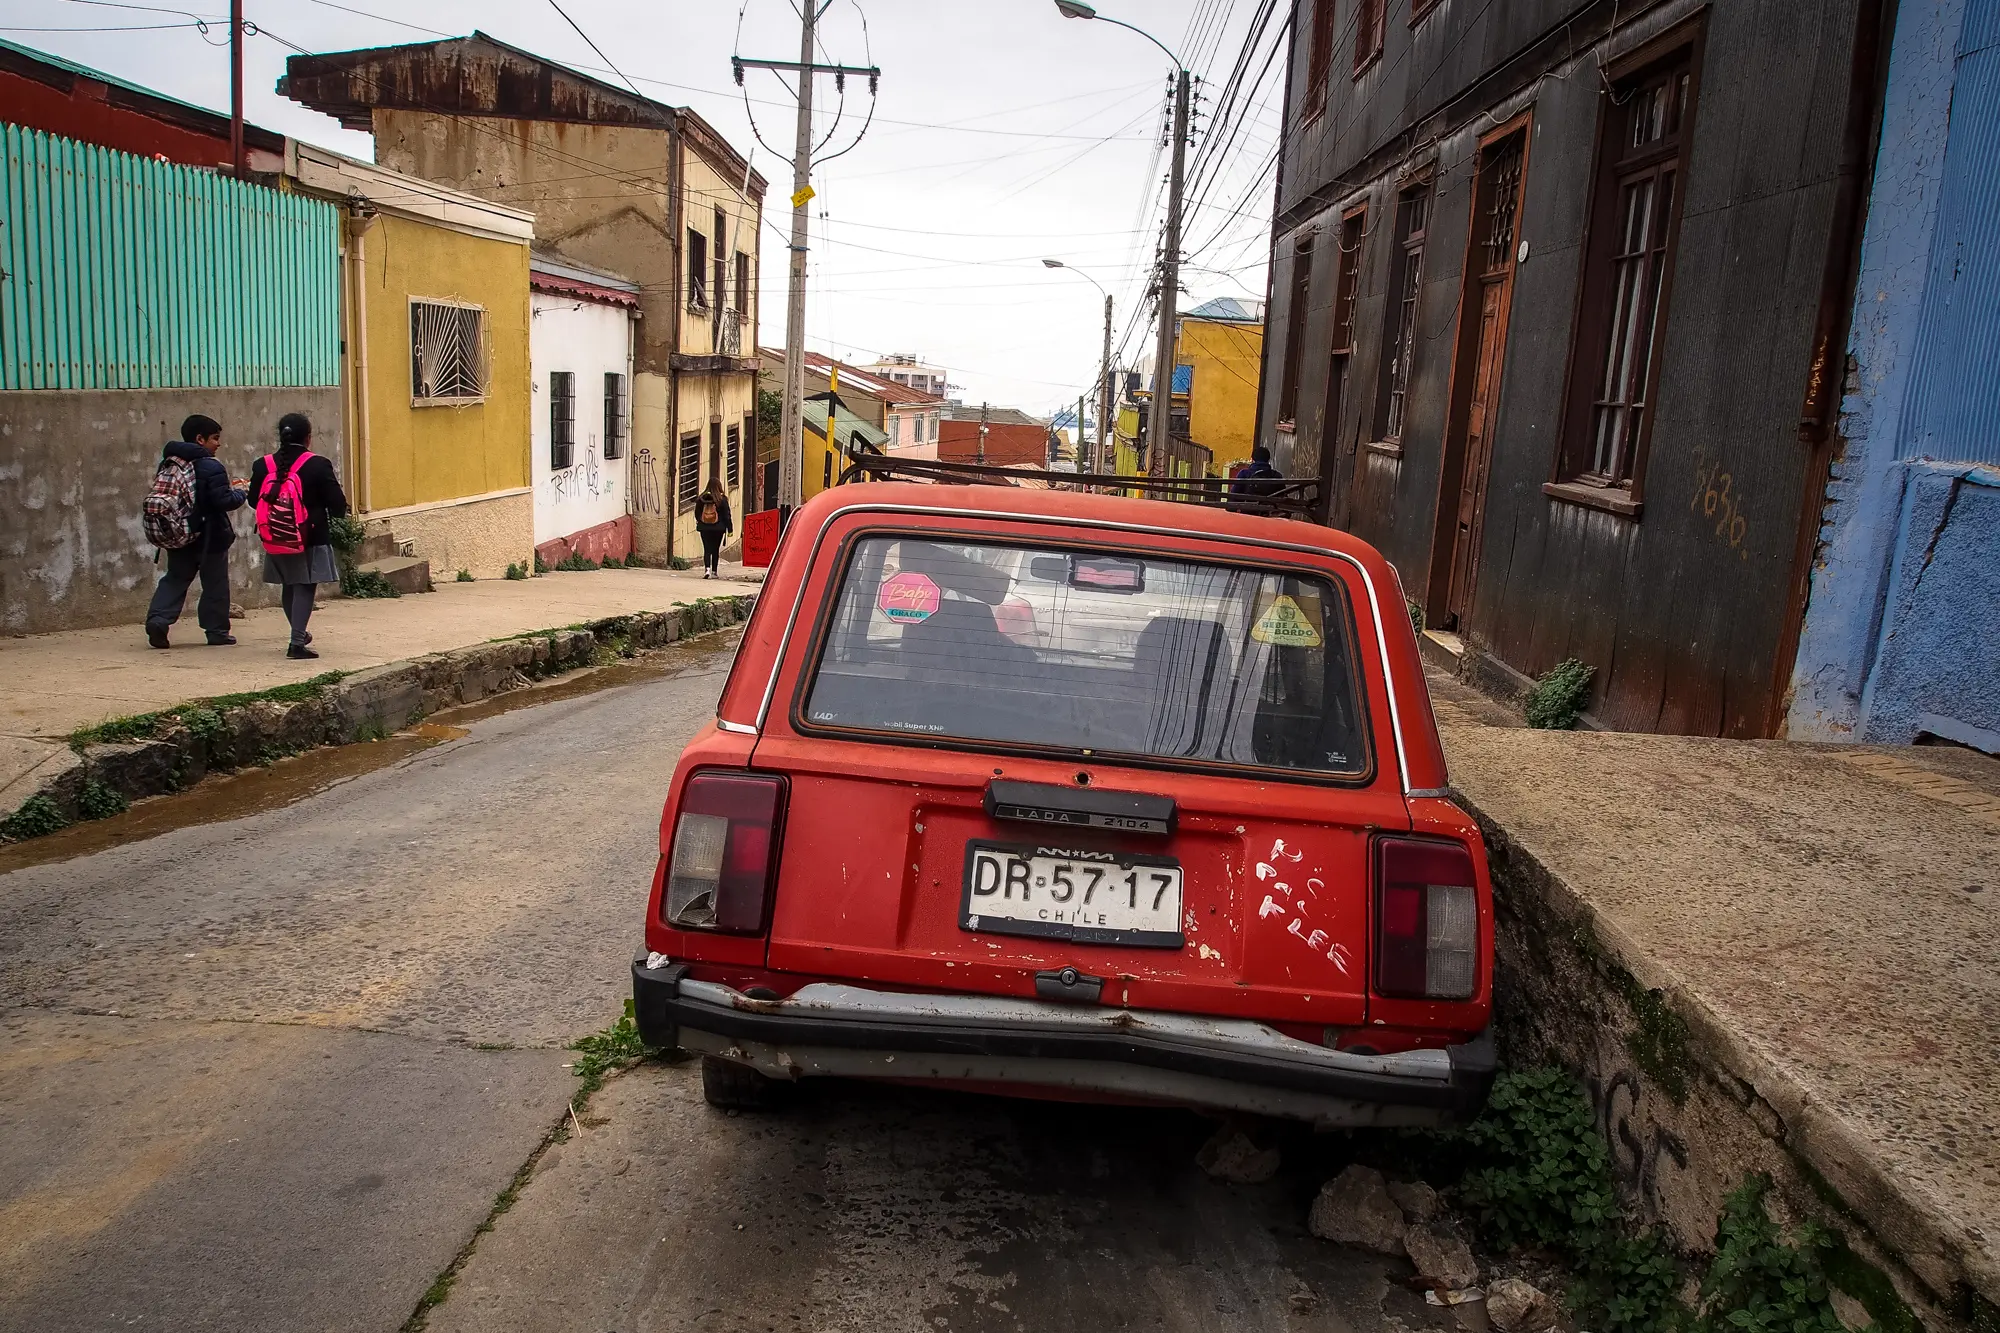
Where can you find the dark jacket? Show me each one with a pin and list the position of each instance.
(724, 522)
(1253, 485)
(324, 498)
(213, 498)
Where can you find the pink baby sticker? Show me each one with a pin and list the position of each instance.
(908, 598)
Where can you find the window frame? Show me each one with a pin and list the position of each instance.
(1295, 332)
(687, 471)
(1403, 299)
(743, 286)
(1319, 59)
(562, 419)
(615, 400)
(732, 456)
(1574, 475)
(481, 366)
(807, 671)
(697, 271)
(1371, 27)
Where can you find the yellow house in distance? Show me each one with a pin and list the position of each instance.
(435, 322)
(1219, 346)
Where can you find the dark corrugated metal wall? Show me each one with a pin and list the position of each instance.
(1681, 609)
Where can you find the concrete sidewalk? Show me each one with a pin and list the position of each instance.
(1766, 957)
(56, 683)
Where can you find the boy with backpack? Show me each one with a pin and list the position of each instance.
(186, 515)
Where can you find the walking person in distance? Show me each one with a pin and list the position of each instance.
(1250, 488)
(187, 516)
(297, 495)
(713, 521)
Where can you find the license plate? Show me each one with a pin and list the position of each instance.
(1061, 893)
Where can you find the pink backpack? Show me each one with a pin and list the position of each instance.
(281, 507)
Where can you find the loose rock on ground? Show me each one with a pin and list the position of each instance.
(1231, 1155)
(1514, 1306)
(1354, 1208)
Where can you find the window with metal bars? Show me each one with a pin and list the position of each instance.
(614, 415)
(687, 469)
(1399, 337)
(732, 453)
(1371, 22)
(562, 418)
(447, 352)
(1635, 214)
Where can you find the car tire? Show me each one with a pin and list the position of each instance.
(735, 1087)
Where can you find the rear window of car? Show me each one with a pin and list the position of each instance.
(1104, 652)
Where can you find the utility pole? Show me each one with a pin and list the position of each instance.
(982, 432)
(791, 447)
(1097, 458)
(236, 162)
(1170, 283)
(1078, 460)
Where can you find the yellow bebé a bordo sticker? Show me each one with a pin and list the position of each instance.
(1285, 624)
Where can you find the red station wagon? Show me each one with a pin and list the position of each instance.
(1078, 796)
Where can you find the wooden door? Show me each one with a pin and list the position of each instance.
(1478, 446)
(1479, 356)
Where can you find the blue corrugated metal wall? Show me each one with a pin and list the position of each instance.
(1954, 405)
(121, 272)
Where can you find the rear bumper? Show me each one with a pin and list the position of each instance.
(1183, 1059)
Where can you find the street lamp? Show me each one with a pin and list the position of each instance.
(1104, 383)
(1170, 252)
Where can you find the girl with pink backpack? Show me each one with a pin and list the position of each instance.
(297, 493)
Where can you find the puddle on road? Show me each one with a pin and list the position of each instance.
(254, 791)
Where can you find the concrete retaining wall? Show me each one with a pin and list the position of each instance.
(366, 705)
(74, 468)
(1690, 1108)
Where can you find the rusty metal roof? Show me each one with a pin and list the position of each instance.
(481, 75)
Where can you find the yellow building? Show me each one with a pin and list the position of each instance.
(1222, 341)
(823, 465)
(616, 182)
(435, 327)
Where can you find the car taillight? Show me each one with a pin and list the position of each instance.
(724, 857)
(1426, 920)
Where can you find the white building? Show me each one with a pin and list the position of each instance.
(904, 368)
(580, 357)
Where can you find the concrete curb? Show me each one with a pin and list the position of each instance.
(1690, 1107)
(193, 739)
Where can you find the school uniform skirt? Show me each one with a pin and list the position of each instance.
(312, 565)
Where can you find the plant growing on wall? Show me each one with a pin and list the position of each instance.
(1559, 696)
(346, 533)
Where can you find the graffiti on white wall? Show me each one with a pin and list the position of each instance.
(580, 481)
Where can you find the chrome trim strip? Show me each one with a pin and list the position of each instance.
(740, 728)
(1440, 793)
(1374, 602)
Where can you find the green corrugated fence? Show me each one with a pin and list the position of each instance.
(122, 272)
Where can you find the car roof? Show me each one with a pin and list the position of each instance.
(1202, 521)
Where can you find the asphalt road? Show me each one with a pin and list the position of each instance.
(272, 1072)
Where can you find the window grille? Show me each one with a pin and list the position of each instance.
(447, 352)
(562, 418)
(687, 481)
(1400, 346)
(614, 415)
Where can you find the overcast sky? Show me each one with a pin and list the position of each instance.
(1003, 133)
